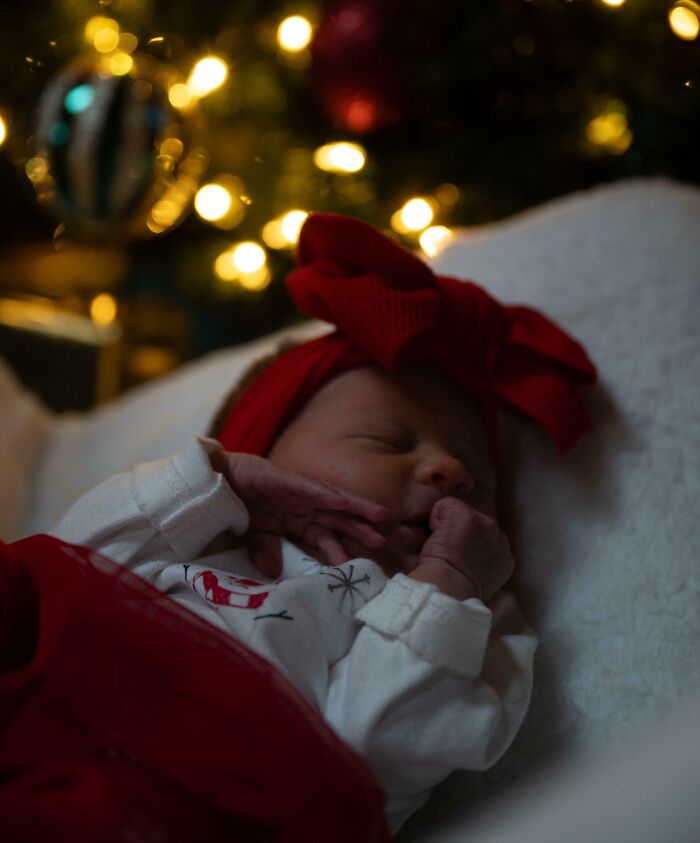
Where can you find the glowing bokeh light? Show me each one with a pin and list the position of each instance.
(255, 281)
(103, 309)
(36, 169)
(165, 212)
(684, 20)
(79, 98)
(106, 38)
(273, 236)
(181, 96)
(3, 131)
(416, 214)
(248, 257)
(291, 223)
(340, 157)
(97, 24)
(224, 267)
(128, 42)
(448, 193)
(207, 75)
(294, 33)
(173, 147)
(610, 130)
(120, 63)
(212, 201)
(614, 3)
(434, 239)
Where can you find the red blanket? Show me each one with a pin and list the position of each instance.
(125, 717)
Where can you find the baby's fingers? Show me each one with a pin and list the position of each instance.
(265, 553)
(330, 497)
(327, 542)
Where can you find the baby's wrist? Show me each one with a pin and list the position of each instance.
(447, 579)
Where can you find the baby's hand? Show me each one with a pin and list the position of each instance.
(466, 555)
(284, 503)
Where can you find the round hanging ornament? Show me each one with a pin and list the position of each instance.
(113, 158)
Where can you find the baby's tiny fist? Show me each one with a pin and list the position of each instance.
(471, 543)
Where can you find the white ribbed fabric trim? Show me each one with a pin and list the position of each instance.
(438, 628)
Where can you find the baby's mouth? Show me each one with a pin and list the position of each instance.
(413, 533)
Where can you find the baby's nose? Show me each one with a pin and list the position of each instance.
(446, 472)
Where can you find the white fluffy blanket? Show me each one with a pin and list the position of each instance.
(608, 538)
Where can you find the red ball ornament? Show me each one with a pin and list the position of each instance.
(356, 69)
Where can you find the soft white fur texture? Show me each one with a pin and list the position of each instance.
(24, 426)
(607, 536)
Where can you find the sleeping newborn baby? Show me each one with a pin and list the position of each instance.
(342, 521)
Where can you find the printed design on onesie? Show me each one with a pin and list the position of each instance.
(349, 587)
(247, 594)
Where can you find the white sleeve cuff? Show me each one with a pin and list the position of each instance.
(443, 631)
(188, 502)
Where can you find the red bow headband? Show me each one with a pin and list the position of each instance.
(389, 308)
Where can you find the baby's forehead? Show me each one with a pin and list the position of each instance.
(414, 392)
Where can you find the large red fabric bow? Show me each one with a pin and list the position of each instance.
(389, 307)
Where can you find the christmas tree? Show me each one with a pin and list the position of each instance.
(418, 117)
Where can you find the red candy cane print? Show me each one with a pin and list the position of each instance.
(207, 584)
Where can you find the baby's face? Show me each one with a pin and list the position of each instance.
(402, 441)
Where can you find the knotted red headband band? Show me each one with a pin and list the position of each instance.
(389, 308)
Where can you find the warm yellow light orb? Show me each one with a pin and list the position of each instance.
(273, 236)
(105, 35)
(36, 169)
(103, 309)
(165, 212)
(397, 223)
(613, 2)
(255, 281)
(610, 129)
(128, 42)
(294, 33)
(3, 131)
(341, 157)
(173, 147)
(224, 267)
(416, 214)
(120, 63)
(684, 20)
(207, 75)
(292, 222)
(181, 96)
(434, 239)
(98, 23)
(248, 257)
(212, 201)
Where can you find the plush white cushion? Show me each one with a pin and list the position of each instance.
(607, 536)
(24, 426)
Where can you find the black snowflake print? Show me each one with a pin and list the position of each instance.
(283, 615)
(349, 587)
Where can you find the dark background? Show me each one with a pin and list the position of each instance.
(495, 98)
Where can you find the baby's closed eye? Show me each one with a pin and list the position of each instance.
(391, 440)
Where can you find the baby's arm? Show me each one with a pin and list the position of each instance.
(431, 685)
(466, 554)
(172, 509)
(161, 512)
